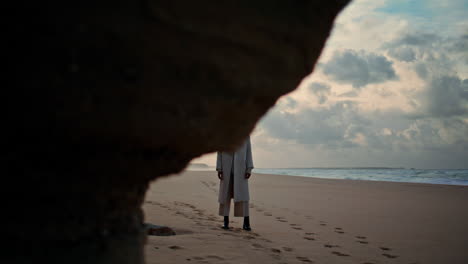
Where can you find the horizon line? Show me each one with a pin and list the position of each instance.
(345, 167)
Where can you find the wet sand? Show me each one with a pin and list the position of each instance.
(306, 220)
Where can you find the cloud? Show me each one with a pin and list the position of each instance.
(447, 96)
(416, 46)
(350, 136)
(406, 54)
(352, 93)
(339, 126)
(421, 70)
(390, 89)
(321, 90)
(420, 40)
(437, 61)
(432, 54)
(359, 68)
(461, 44)
(460, 48)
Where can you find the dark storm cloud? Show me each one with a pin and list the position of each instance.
(359, 68)
(321, 90)
(447, 96)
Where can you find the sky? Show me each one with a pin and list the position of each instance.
(389, 90)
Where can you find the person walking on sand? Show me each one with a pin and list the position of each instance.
(234, 170)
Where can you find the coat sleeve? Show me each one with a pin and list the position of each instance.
(219, 162)
(249, 161)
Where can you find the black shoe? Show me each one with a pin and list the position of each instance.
(246, 225)
(226, 223)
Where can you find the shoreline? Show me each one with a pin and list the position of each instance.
(324, 178)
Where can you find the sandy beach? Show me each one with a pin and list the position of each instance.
(307, 220)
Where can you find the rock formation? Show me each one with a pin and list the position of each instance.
(103, 96)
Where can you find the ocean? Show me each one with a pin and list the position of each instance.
(442, 176)
(433, 176)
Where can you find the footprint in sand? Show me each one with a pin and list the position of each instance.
(214, 257)
(267, 214)
(287, 249)
(323, 223)
(275, 250)
(389, 256)
(339, 230)
(340, 254)
(310, 233)
(175, 247)
(257, 245)
(304, 259)
(309, 238)
(297, 228)
(236, 230)
(385, 248)
(331, 246)
(361, 240)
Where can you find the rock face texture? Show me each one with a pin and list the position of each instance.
(104, 96)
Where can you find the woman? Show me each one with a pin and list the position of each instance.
(234, 170)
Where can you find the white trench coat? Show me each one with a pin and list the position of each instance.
(243, 163)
